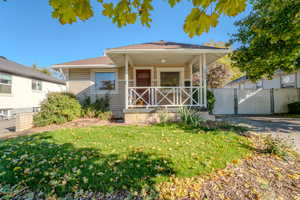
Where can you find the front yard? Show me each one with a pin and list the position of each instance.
(113, 158)
(126, 161)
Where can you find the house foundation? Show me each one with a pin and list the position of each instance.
(150, 116)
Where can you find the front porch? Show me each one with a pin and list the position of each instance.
(154, 94)
(164, 87)
(161, 80)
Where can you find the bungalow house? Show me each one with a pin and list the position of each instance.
(22, 89)
(279, 80)
(142, 79)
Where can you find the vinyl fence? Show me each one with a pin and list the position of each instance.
(254, 101)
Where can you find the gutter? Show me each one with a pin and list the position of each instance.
(82, 66)
(184, 51)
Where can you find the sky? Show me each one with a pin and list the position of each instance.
(29, 35)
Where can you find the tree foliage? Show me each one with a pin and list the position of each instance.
(269, 38)
(43, 70)
(203, 15)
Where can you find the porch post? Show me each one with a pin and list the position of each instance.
(204, 80)
(191, 82)
(200, 81)
(126, 81)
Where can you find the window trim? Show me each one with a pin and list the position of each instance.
(11, 85)
(171, 69)
(93, 79)
(37, 90)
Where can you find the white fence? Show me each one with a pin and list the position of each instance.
(254, 101)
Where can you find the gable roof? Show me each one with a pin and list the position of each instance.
(165, 45)
(107, 62)
(103, 60)
(14, 68)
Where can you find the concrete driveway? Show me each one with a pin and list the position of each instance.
(282, 127)
(7, 126)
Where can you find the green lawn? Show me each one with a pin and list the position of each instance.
(113, 158)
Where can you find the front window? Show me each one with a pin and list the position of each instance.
(288, 81)
(105, 80)
(169, 79)
(5, 83)
(36, 85)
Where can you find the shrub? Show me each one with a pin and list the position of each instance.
(98, 109)
(58, 108)
(211, 100)
(190, 117)
(294, 108)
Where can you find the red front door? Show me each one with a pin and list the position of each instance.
(143, 79)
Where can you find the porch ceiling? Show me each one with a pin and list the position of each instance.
(154, 58)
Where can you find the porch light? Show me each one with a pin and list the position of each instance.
(163, 60)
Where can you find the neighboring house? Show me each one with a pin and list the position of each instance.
(22, 89)
(280, 80)
(140, 79)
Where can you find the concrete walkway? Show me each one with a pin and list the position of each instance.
(282, 127)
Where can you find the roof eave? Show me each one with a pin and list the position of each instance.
(188, 51)
(82, 66)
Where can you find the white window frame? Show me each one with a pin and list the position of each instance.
(143, 68)
(93, 79)
(37, 90)
(11, 85)
(171, 69)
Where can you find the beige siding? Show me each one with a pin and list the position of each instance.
(79, 74)
(79, 88)
(80, 83)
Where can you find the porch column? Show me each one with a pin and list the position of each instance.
(204, 80)
(191, 82)
(200, 81)
(126, 81)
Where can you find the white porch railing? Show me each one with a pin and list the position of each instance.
(165, 96)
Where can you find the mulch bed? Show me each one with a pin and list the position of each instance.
(264, 177)
(260, 176)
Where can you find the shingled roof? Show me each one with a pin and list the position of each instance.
(165, 45)
(104, 60)
(14, 68)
